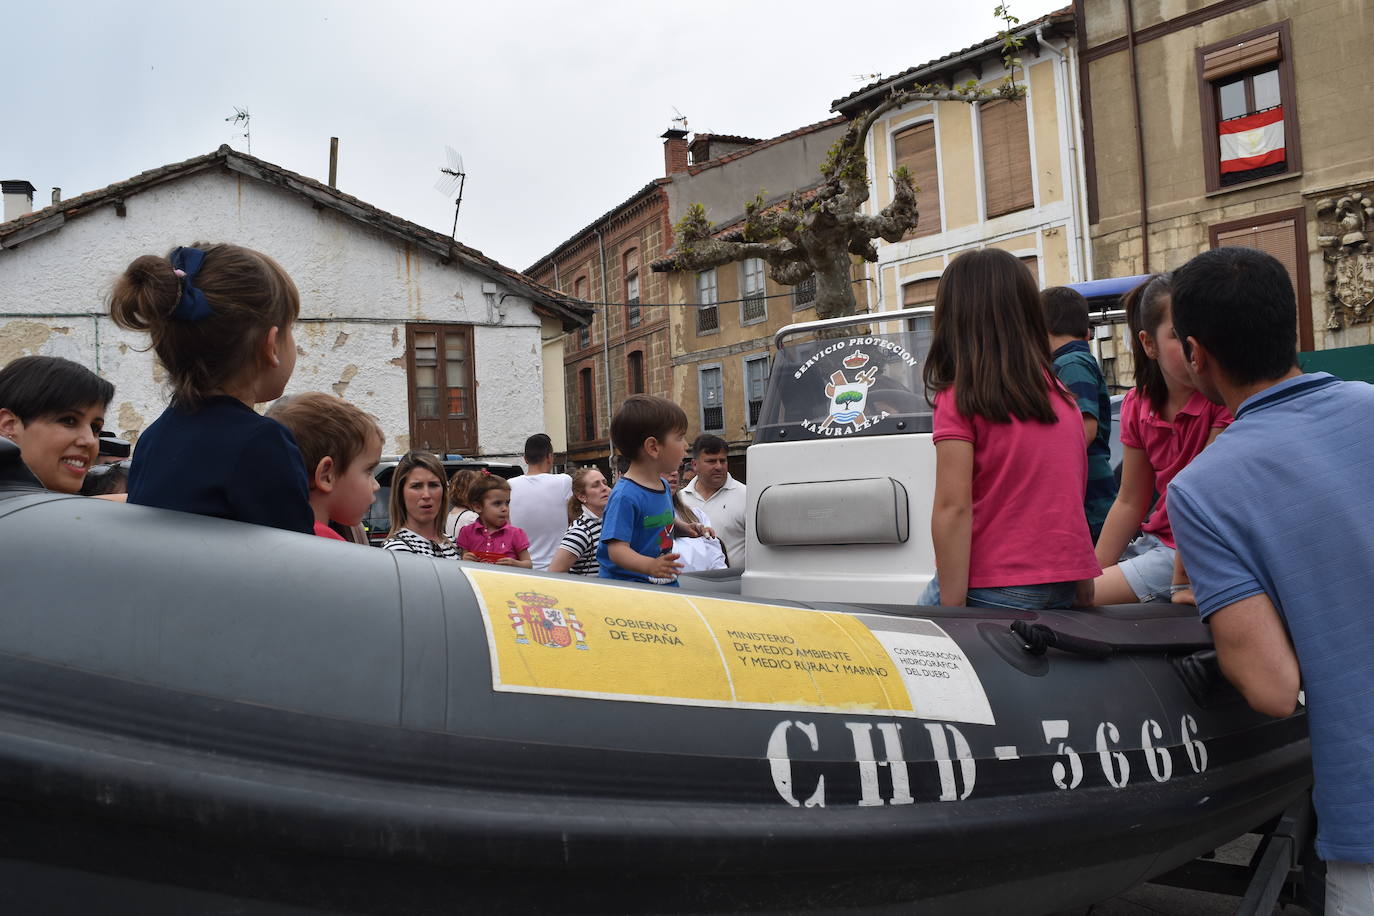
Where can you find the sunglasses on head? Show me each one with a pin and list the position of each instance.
(101, 469)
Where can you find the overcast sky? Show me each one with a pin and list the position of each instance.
(555, 107)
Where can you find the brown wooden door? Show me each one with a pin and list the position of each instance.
(443, 404)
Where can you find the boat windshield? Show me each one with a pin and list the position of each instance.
(861, 385)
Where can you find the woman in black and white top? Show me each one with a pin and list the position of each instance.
(418, 505)
(576, 553)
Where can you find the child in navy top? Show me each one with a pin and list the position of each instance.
(220, 320)
(638, 525)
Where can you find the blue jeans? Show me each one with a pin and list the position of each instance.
(1047, 596)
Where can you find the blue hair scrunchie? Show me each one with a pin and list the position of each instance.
(192, 306)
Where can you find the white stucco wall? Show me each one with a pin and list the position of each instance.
(358, 289)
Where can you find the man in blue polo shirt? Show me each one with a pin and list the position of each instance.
(1275, 525)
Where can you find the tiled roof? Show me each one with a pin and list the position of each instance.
(924, 72)
(761, 145)
(548, 301)
(726, 138)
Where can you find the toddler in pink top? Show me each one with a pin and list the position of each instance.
(492, 539)
(1011, 465)
(1165, 423)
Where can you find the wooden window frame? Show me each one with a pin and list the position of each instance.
(923, 228)
(1302, 286)
(1288, 98)
(634, 372)
(440, 332)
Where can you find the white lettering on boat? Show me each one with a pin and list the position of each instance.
(1115, 766)
(781, 764)
(956, 766)
(861, 732)
(1158, 759)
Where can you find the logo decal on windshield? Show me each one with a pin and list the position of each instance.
(847, 399)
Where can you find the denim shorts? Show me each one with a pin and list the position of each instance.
(1148, 565)
(1043, 597)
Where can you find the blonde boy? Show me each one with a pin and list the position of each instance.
(342, 447)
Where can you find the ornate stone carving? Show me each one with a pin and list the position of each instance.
(1344, 226)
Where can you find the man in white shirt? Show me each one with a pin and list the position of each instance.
(539, 500)
(720, 495)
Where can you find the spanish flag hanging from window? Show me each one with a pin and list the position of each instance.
(1252, 141)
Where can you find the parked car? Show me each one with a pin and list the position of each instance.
(377, 522)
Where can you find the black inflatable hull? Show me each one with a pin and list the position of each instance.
(198, 716)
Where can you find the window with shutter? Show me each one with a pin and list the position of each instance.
(918, 293)
(634, 369)
(1248, 106)
(1005, 136)
(443, 412)
(914, 148)
(755, 385)
(754, 307)
(1283, 235)
(587, 391)
(631, 267)
(584, 334)
(712, 400)
(708, 313)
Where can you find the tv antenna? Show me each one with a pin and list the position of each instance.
(452, 178)
(241, 116)
(680, 120)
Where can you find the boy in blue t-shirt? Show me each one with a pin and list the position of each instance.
(638, 525)
(1066, 317)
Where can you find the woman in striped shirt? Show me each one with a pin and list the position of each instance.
(418, 505)
(576, 553)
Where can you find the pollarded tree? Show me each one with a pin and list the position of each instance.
(816, 234)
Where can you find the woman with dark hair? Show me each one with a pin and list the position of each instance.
(418, 506)
(54, 409)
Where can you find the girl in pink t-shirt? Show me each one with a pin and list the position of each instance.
(1010, 462)
(1165, 422)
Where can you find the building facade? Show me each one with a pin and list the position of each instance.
(624, 350)
(996, 173)
(723, 327)
(443, 345)
(1234, 122)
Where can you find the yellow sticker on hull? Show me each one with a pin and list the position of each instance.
(591, 638)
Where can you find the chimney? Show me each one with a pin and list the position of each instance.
(700, 148)
(674, 151)
(333, 162)
(19, 197)
(56, 196)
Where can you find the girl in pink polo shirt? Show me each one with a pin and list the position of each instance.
(1165, 422)
(1010, 463)
(492, 538)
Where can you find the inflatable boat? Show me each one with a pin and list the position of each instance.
(197, 716)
